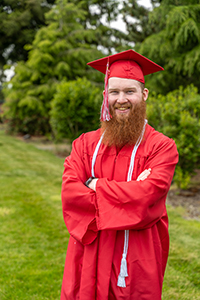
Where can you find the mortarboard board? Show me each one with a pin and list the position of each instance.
(127, 64)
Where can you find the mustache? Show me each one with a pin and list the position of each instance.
(128, 105)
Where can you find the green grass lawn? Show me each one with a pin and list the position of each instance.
(33, 237)
(182, 279)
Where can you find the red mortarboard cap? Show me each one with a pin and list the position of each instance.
(127, 64)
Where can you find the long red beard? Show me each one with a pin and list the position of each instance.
(123, 130)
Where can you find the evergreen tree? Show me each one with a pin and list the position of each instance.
(136, 18)
(99, 15)
(19, 22)
(176, 44)
(59, 51)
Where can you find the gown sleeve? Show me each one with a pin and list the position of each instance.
(138, 204)
(78, 201)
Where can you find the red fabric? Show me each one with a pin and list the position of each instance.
(147, 65)
(96, 220)
(126, 69)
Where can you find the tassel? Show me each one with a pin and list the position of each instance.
(123, 267)
(105, 113)
(121, 281)
(123, 272)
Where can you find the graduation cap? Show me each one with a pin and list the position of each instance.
(127, 64)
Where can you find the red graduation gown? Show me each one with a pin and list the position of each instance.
(96, 220)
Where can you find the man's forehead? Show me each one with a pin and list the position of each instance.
(116, 82)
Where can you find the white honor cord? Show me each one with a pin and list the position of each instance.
(131, 167)
(123, 267)
(95, 155)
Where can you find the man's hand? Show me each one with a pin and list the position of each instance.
(141, 177)
(144, 175)
(92, 184)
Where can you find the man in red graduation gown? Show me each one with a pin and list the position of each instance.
(114, 190)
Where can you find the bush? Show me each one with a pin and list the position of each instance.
(75, 108)
(177, 116)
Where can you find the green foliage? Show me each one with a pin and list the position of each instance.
(75, 108)
(177, 116)
(136, 18)
(20, 21)
(27, 105)
(59, 52)
(98, 15)
(175, 44)
(182, 178)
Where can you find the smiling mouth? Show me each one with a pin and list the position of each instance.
(122, 108)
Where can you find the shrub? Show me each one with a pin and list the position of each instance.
(177, 116)
(75, 108)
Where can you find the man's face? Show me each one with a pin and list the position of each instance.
(124, 94)
(128, 109)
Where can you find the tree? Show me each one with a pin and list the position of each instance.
(20, 20)
(98, 15)
(175, 45)
(136, 18)
(59, 51)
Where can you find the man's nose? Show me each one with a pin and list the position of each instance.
(122, 98)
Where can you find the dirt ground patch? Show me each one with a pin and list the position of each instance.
(189, 199)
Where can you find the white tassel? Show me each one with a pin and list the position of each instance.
(121, 281)
(123, 272)
(123, 267)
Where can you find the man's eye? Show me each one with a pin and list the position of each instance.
(130, 92)
(114, 92)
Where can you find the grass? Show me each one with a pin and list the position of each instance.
(32, 231)
(34, 238)
(182, 279)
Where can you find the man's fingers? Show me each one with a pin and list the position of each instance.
(144, 175)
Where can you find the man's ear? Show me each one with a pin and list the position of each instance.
(145, 94)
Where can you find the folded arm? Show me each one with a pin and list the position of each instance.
(137, 204)
(141, 177)
(115, 205)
